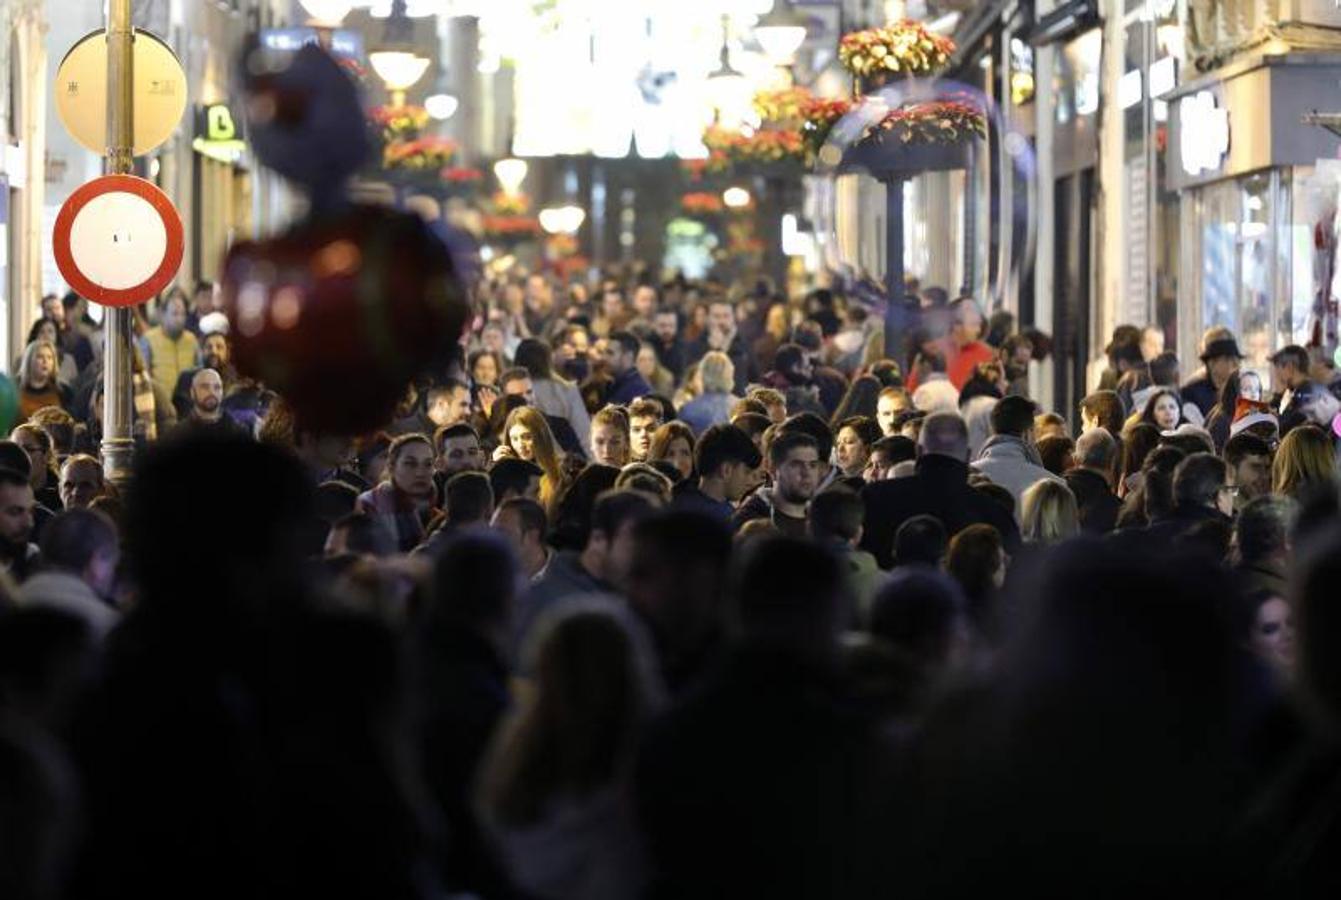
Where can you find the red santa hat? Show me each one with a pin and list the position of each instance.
(1248, 413)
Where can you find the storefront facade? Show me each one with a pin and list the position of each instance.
(1255, 204)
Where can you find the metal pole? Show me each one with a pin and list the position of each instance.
(117, 444)
(894, 288)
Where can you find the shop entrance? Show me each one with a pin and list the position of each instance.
(1073, 211)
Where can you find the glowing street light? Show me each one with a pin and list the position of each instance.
(510, 173)
(562, 219)
(399, 71)
(781, 33)
(736, 198)
(326, 13)
(441, 106)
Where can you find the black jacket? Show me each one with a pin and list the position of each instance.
(939, 488)
(1201, 391)
(1097, 504)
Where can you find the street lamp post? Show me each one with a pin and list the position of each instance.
(117, 445)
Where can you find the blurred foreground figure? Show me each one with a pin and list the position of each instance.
(246, 741)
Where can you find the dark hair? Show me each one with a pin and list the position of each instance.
(335, 499)
(73, 538)
(572, 516)
(614, 508)
(860, 400)
(16, 459)
(516, 373)
(626, 341)
(1198, 479)
(998, 493)
(365, 535)
(973, 558)
(37, 324)
(722, 444)
(645, 407)
(470, 498)
(788, 589)
(897, 447)
(1293, 354)
(474, 582)
(1148, 412)
(451, 432)
(920, 540)
(447, 386)
(1157, 486)
(511, 476)
(1164, 369)
(836, 514)
(1138, 443)
(1105, 407)
(530, 514)
(866, 428)
(400, 443)
(535, 357)
(785, 442)
(813, 425)
(1013, 416)
(916, 611)
(788, 358)
(1263, 527)
(752, 423)
(1057, 452)
(1245, 444)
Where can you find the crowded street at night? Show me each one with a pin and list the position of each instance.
(650, 450)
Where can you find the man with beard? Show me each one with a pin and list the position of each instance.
(1016, 352)
(795, 460)
(206, 415)
(722, 334)
(214, 354)
(18, 557)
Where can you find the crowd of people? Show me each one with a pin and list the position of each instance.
(674, 590)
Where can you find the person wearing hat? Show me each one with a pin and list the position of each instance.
(1220, 358)
(1255, 417)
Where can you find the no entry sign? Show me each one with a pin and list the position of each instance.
(118, 240)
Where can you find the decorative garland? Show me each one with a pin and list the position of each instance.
(819, 116)
(399, 122)
(900, 48)
(727, 148)
(425, 154)
(782, 110)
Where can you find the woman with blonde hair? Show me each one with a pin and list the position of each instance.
(712, 406)
(556, 787)
(39, 385)
(526, 435)
(1048, 513)
(1304, 462)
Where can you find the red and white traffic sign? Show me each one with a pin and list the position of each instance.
(118, 240)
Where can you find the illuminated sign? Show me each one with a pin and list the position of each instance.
(343, 43)
(219, 133)
(1203, 133)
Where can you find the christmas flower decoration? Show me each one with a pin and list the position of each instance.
(399, 121)
(461, 175)
(726, 147)
(818, 118)
(701, 203)
(900, 48)
(782, 109)
(505, 204)
(937, 122)
(694, 168)
(425, 154)
(508, 227)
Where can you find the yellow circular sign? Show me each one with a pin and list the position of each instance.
(159, 91)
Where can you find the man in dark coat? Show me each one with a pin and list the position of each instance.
(939, 488)
(1091, 481)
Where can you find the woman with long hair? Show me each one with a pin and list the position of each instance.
(526, 435)
(554, 395)
(853, 439)
(46, 329)
(1163, 409)
(674, 443)
(861, 399)
(1305, 462)
(556, 785)
(1048, 513)
(39, 384)
(1137, 442)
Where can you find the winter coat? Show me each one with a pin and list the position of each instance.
(1013, 464)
